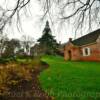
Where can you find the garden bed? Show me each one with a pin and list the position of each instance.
(19, 80)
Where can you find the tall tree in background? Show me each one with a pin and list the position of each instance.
(11, 47)
(47, 41)
(3, 43)
(27, 43)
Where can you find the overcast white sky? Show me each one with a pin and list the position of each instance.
(33, 27)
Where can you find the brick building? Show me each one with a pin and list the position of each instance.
(85, 48)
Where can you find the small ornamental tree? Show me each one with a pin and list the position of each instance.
(47, 41)
(11, 47)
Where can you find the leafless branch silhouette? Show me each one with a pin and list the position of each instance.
(7, 14)
(81, 11)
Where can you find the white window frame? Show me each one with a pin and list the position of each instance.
(88, 51)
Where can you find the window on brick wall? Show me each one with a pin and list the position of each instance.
(86, 51)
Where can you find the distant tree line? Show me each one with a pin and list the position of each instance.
(45, 45)
(13, 47)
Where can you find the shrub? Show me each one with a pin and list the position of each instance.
(11, 76)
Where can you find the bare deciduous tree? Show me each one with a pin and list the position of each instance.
(3, 40)
(7, 13)
(81, 12)
(27, 43)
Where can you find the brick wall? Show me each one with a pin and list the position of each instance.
(76, 52)
(94, 55)
(71, 52)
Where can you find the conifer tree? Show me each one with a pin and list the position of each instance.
(47, 41)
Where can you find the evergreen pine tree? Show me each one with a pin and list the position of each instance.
(47, 41)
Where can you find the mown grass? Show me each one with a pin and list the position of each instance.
(71, 80)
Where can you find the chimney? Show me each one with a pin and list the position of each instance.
(70, 39)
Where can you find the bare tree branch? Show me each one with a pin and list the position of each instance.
(81, 11)
(7, 14)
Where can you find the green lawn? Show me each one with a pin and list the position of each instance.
(71, 80)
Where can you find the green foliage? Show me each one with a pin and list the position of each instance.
(71, 80)
(47, 41)
(4, 60)
(7, 59)
(10, 47)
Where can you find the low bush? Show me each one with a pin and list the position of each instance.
(11, 76)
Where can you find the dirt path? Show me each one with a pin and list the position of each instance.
(38, 92)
